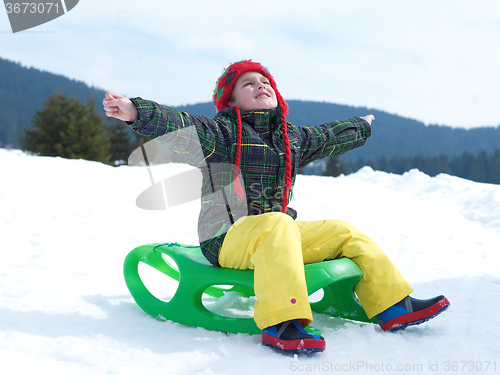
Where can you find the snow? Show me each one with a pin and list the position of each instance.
(67, 225)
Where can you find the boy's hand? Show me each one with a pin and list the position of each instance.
(119, 107)
(369, 118)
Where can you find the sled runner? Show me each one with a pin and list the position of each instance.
(197, 276)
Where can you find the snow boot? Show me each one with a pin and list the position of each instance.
(411, 311)
(291, 337)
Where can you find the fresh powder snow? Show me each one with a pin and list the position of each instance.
(67, 225)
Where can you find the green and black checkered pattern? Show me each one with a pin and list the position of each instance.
(210, 144)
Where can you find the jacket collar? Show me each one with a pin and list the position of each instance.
(262, 121)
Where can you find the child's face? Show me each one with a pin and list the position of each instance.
(252, 92)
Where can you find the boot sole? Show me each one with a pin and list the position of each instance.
(294, 346)
(418, 317)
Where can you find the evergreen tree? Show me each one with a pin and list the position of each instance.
(494, 170)
(139, 140)
(478, 168)
(65, 127)
(121, 143)
(334, 167)
(383, 165)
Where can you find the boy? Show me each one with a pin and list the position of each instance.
(250, 131)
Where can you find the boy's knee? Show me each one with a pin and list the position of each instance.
(278, 218)
(340, 226)
(279, 223)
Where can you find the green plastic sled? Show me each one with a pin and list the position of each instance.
(197, 276)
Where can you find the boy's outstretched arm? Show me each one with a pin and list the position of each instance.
(119, 107)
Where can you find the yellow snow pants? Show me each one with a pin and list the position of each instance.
(276, 247)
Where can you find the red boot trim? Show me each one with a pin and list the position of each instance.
(294, 345)
(415, 317)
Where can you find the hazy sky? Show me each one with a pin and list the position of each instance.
(437, 61)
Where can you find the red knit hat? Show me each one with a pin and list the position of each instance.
(221, 96)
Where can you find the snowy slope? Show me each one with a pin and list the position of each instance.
(67, 225)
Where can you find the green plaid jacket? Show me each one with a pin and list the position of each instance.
(210, 144)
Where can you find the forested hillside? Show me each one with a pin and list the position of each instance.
(395, 140)
(22, 90)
